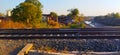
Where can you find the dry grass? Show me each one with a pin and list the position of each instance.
(54, 24)
(10, 24)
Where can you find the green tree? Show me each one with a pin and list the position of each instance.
(74, 13)
(39, 6)
(54, 15)
(35, 2)
(77, 17)
(113, 15)
(28, 12)
(117, 15)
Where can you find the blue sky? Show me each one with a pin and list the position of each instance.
(87, 7)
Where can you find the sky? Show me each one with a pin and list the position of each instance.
(86, 7)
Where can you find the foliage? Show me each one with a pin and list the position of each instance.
(74, 26)
(10, 24)
(53, 24)
(81, 25)
(79, 19)
(74, 13)
(43, 25)
(113, 15)
(35, 2)
(28, 12)
(38, 5)
(117, 15)
(53, 14)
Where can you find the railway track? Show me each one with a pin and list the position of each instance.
(87, 33)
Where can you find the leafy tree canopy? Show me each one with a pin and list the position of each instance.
(39, 6)
(53, 14)
(35, 2)
(114, 15)
(74, 13)
(27, 12)
(117, 15)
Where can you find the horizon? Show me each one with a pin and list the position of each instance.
(86, 7)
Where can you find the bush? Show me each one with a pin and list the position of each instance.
(81, 25)
(53, 24)
(74, 26)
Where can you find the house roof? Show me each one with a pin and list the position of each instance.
(45, 14)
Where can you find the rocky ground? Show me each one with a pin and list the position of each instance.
(12, 47)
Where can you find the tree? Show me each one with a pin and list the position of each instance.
(35, 2)
(28, 12)
(53, 14)
(74, 13)
(77, 17)
(113, 15)
(39, 6)
(54, 21)
(117, 15)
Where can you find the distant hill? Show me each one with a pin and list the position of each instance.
(107, 21)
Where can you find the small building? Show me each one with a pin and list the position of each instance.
(65, 20)
(1, 18)
(45, 17)
(4, 19)
(8, 13)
